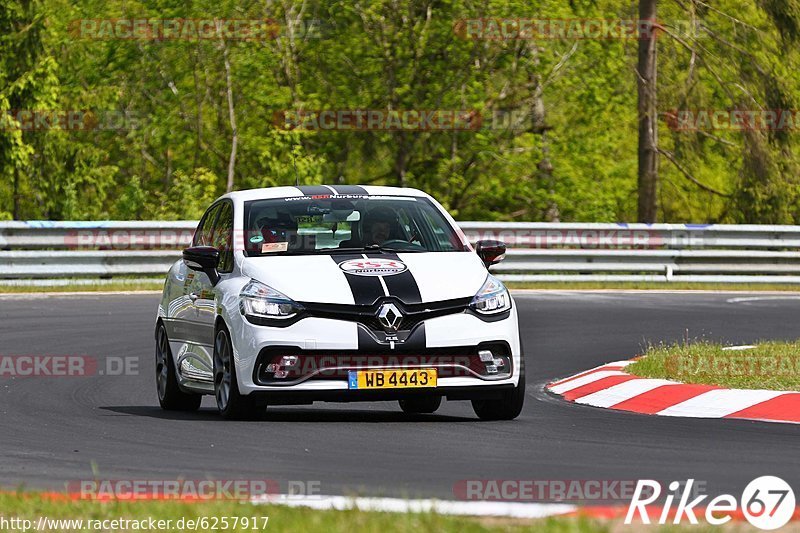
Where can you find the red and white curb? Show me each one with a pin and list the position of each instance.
(609, 386)
(481, 508)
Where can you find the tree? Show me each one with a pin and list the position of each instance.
(647, 116)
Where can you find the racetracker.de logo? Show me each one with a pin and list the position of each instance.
(545, 490)
(68, 120)
(127, 239)
(734, 364)
(189, 489)
(378, 120)
(512, 29)
(26, 366)
(151, 29)
(733, 119)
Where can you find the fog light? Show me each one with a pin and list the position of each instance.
(486, 356)
(500, 363)
(272, 367)
(289, 360)
(491, 369)
(281, 374)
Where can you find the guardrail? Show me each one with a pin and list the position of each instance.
(50, 252)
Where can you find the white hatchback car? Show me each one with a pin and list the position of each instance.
(291, 295)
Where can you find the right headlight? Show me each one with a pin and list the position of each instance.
(492, 298)
(262, 301)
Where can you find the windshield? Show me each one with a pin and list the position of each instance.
(329, 224)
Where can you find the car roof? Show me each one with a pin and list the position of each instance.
(307, 190)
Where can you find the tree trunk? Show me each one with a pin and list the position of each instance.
(648, 117)
(231, 117)
(15, 211)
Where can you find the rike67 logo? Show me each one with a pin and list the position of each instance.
(767, 502)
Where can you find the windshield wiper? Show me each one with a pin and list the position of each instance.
(369, 248)
(347, 250)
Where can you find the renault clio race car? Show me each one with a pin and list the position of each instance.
(290, 295)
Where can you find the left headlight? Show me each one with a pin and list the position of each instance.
(492, 298)
(262, 301)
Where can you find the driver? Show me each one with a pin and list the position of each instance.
(377, 227)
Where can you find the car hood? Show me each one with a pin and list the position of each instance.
(411, 277)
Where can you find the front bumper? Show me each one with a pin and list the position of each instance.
(453, 335)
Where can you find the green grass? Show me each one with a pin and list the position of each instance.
(770, 365)
(281, 518)
(157, 284)
(652, 285)
(114, 286)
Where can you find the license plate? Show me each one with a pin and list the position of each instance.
(392, 379)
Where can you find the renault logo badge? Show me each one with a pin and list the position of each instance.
(390, 317)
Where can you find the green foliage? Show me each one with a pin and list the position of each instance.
(573, 158)
(189, 196)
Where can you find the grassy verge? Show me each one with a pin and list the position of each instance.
(769, 365)
(280, 518)
(651, 285)
(157, 284)
(113, 286)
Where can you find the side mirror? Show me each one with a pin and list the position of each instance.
(490, 252)
(203, 259)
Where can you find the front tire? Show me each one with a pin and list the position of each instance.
(421, 405)
(231, 404)
(506, 408)
(170, 396)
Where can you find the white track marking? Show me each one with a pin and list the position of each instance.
(620, 363)
(745, 299)
(737, 348)
(719, 403)
(622, 391)
(397, 505)
(608, 366)
(584, 380)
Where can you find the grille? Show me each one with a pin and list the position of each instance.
(413, 314)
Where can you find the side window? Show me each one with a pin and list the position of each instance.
(202, 236)
(444, 243)
(223, 237)
(410, 228)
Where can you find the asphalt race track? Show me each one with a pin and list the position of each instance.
(57, 429)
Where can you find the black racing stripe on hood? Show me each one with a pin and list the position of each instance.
(366, 289)
(402, 286)
(313, 190)
(349, 189)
